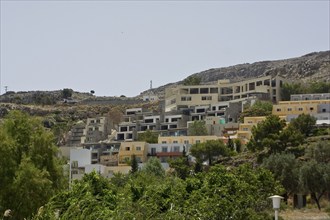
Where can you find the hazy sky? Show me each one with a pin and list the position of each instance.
(117, 47)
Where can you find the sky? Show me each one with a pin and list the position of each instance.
(117, 47)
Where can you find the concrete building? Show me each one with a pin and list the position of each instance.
(320, 109)
(97, 129)
(264, 88)
(75, 134)
(185, 139)
(128, 149)
(167, 151)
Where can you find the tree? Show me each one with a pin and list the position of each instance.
(197, 128)
(320, 152)
(209, 151)
(154, 167)
(266, 134)
(259, 108)
(285, 168)
(181, 166)
(314, 178)
(304, 123)
(67, 93)
(148, 136)
(134, 164)
(192, 80)
(92, 92)
(29, 165)
(289, 89)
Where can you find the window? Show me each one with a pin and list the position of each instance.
(92, 121)
(90, 129)
(186, 142)
(204, 90)
(164, 149)
(323, 110)
(213, 90)
(198, 141)
(245, 129)
(300, 109)
(289, 109)
(127, 148)
(163, 142)
(186, 98)
(278, 110)
(98, 121)
(311, 108)
(175, 142)
(96, 128)
(176, 149)
(138, 148)
(206, 98)
(194, 91)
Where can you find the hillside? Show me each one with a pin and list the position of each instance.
(310, 67)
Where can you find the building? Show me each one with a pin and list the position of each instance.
(320, 109)
(167, 151)
(128, 149)
(264, 88)
(185, 139)
(75, 134)
(97, 129)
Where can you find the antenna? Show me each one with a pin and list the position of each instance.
(6, 89)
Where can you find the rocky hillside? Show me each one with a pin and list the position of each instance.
(313, 66)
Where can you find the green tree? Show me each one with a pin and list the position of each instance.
(259, 108)
(30, 165)
(319, 151)
(209, 151)
(134, 164)
(154, 167)
(197, 128)
(285, 168)
(266, 134)
(304, 123)
(67, 93)
(192, 80)
(314, 178)
(289, 89)
(238, 145)
(181, 166)
(148, 136)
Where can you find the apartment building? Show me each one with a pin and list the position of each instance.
(75, 134)
(320, 109)
(185, 139)
(264, 88)
(167, 151)
(128, 149)
(96, 129)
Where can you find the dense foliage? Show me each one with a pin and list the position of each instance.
(259, 108)
(192, 80)
(197, 128)
(30, 172)
(220, 193)
(289, 89)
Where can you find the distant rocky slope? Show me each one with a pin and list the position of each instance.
(310, 67)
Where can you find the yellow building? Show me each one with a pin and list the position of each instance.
(312, 107)
(185, 139)
(128, 149)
